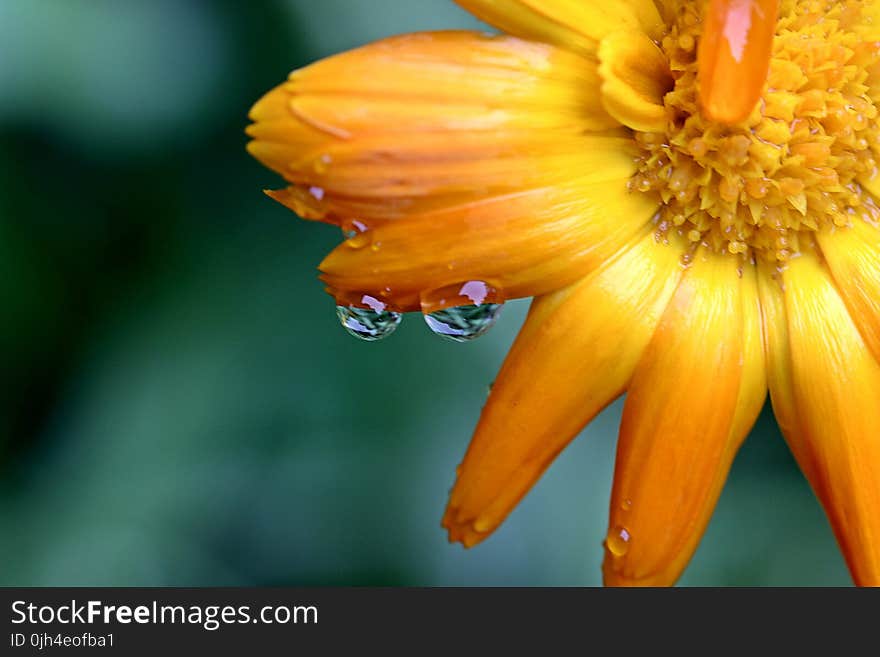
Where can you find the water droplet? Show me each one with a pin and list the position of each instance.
(627, 504)
(463, 323)
(371, 323)
(470, 293)
(617, 541)
(352, 227)
(320, 165)
(482, 524)
(359, 240)
(462, 311)
(317, 192)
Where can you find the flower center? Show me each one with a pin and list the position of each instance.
(760, 188)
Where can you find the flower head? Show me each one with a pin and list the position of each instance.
(688, 189)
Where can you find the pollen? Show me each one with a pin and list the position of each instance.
(762, 187)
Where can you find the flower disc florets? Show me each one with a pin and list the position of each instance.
(762, 187)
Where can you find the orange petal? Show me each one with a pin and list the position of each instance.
(853, 255)
(829, 386)
(734, 56)
(575, 354)
(694, 397)
(421, 122)
(573, 24)
(522, 245)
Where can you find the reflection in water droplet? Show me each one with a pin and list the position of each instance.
(352, 227)
(618, 540)
(627, 504)
(463, 323)
(475, 293)
(317, 192)
(371, 323)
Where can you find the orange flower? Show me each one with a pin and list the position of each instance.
(688, 189)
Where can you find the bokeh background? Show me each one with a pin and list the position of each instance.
(179, 404)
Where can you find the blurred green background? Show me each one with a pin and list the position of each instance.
(179, 404)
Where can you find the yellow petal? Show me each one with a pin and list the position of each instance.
(425, 121)
(635, 78)
(777, 352)
(871, 181)
(574, 24)
(832, 387)
(522, 245)
(575, 354)
(853, 255)
(693, 398)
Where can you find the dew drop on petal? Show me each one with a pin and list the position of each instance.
(320, 165)
(359, 240)
(371, 323)
(482, 524)
(476, 293)
(463, 311)
(618, 540)
(352, 227)
(463, 323)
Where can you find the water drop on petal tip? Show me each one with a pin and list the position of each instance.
(469, 293)
(369, 324)
(482, 525)
(463, 323)
(320, 165)
(352, 228)
(358, 240)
